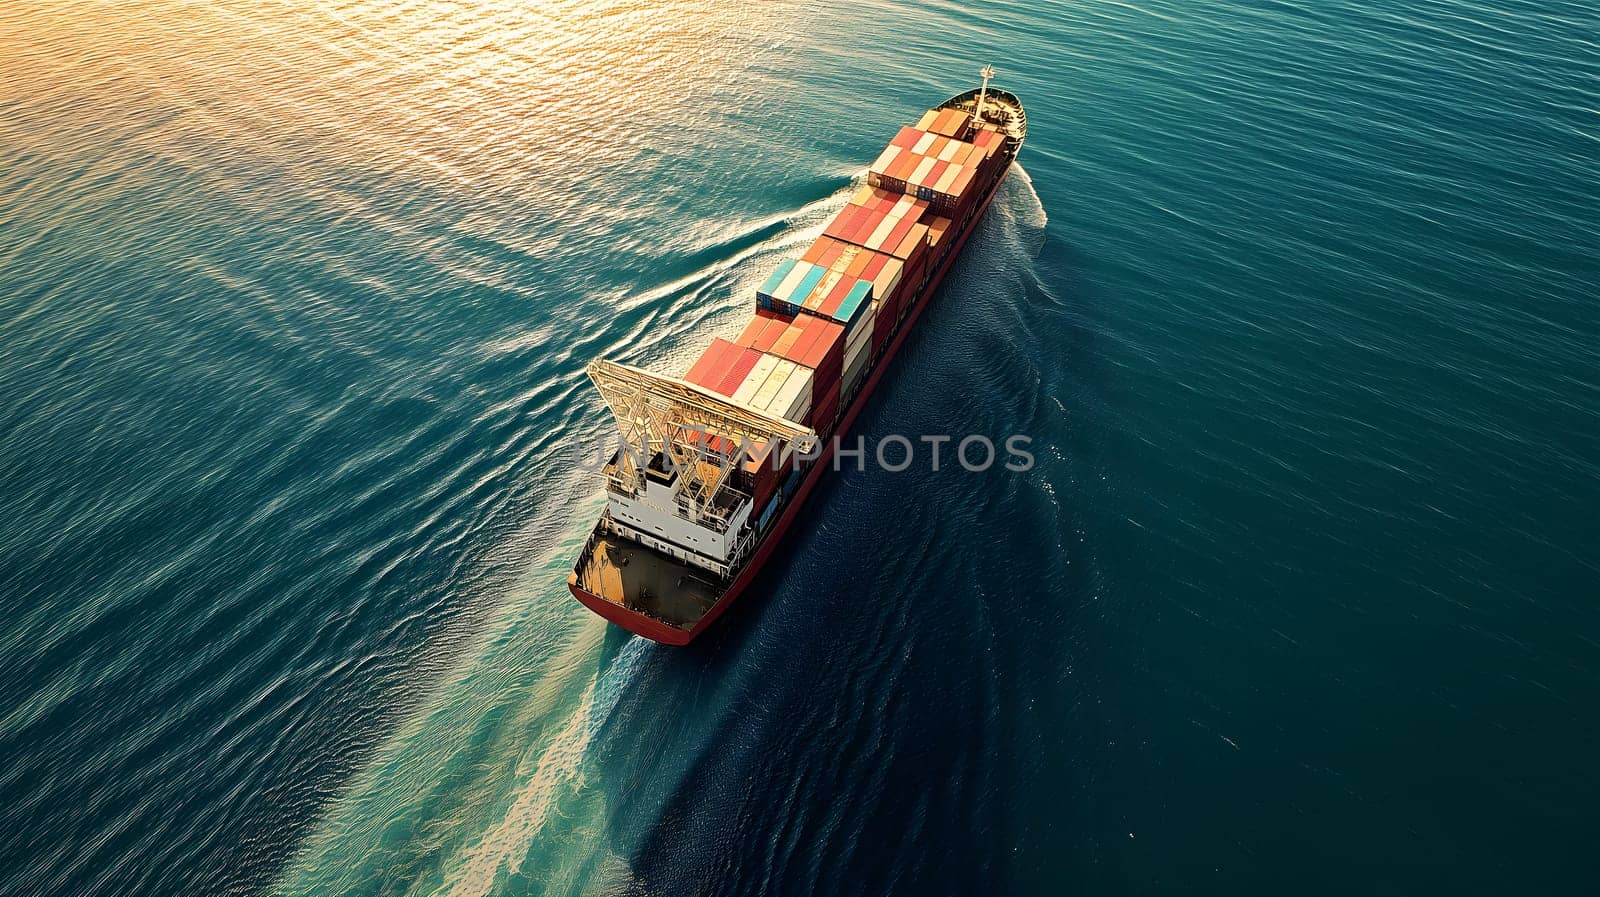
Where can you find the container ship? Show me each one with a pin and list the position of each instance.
(715, 464)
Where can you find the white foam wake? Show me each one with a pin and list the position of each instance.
(1032, 213)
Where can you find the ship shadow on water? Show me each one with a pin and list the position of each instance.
(848, 712)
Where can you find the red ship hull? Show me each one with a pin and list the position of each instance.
(657, 631)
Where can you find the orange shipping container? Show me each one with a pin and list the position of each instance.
(763, 329)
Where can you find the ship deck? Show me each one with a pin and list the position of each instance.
(646, 581)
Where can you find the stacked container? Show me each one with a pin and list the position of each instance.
(723, 367)
(823, 319)
(812, 342)
(800, 286)
(988, 141)
(882, 220)
(857, 356)
(930, 166)
(776, 386)
(858, 261)
(946, 122)
(764, 329)
(858, 341)
(765, 470)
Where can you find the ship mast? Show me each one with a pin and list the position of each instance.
(983, 94)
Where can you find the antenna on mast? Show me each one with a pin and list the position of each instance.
(983, 94)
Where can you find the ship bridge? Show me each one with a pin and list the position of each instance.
(678, 520)
(679, 481)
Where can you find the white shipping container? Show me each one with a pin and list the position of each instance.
(794, 398)
(888, 278)
(824, 286)
(755, 379)
(921, 146)
(768, 393)
(785, 290)
(882, 232)
(775, 380)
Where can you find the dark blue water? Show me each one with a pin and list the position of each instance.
(1298, 304)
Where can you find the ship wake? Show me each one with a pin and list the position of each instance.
(489, 782)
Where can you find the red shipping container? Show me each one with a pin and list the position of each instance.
(903, 166)
(916, 267)
(891, 243)
(722, 367)
(917, 263)
(825, 351)
(764, 329)
(825, 411)
(889, 306)
(708, 368)
(829, 352)
(814, 344)
(739, 367)
(831, 302)
(844, 221)
(882, 329)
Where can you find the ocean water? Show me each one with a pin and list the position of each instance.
(1298, 303)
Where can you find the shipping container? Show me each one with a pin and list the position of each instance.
(882, 269)
(761, 400)
(854, 373)
(883, 327)
(987, 140)
(706, 363)
(764, 329)
(918, 267)
(765, 471)
(815, 343)
(883, 221)
(822, 350)
(722, 367)
(792, 401)
(777, 386)
(935, 167)
(858, 345)
(951, 123)
(756, 378)
(804, 286)
(825, 410)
